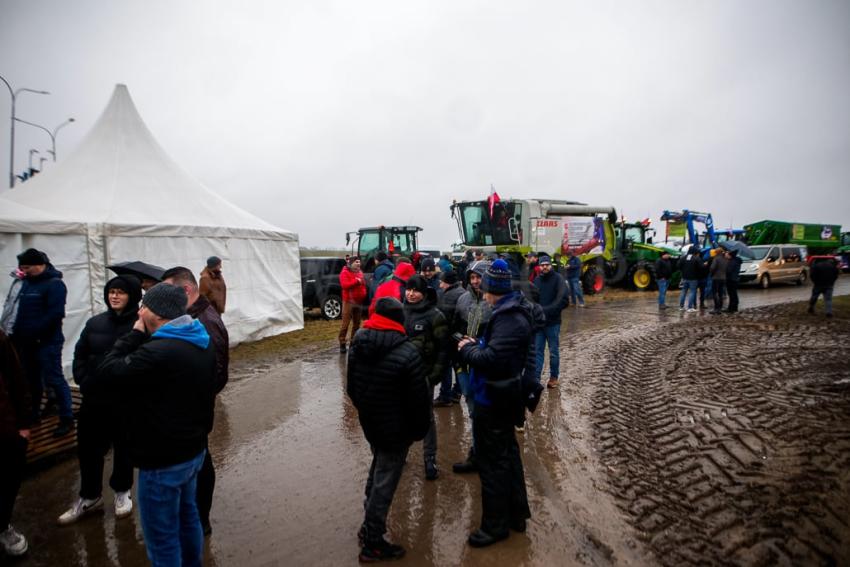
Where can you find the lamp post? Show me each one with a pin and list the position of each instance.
(32, 151)
(41, 161)
(15, 94)
(49, 133)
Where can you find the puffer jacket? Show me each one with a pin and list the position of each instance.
(447, 300)
(353, 286)
(501, 354)
(386, 384)
(98, 337)
(41, 308)
(15, 411)
(427, 328)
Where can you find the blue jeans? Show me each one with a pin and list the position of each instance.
(466, 389)
(662, 291)
(826, 291)
(551, 335)
(169, 514)
(689, 289)
(50, 360)
(575, 291)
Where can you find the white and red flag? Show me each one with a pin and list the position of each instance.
(493, 199)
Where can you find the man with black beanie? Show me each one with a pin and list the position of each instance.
(387, 385)
(165, 369)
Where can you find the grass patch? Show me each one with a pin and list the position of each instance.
(316, 332)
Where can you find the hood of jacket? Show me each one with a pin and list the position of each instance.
(429, 301)
(184, 328)
(134, 290)
(372, 344)
(404, 270)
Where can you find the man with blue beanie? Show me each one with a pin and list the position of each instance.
(497, 360)
(165, 368)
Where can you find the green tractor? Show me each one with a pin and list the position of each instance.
(634, 263)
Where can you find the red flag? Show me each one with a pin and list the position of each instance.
(492, 199)
(391, 247)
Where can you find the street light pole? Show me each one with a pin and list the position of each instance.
(14, 94)
(49, 133)
(32, 151)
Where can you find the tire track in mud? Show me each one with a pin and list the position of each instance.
(727, 440)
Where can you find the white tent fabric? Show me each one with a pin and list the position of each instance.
(120, 197)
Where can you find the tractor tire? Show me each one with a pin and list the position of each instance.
(642, 276)
(764, 282)
(593, 280)
(331, 307)
(617, 269)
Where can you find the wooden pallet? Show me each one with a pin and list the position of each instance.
(43, 444)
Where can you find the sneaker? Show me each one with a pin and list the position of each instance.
(13, 542)
(431, 470)
(65, 427)
(342, 349)
(123, 504)
(467, 466)
(552, 383)
(519, 428)
(581, 304)
(692, 310)
(681, 308)
(80, 508)
(442, 403)
(380, 551)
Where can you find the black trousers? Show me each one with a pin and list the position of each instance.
(99, 428)
(13, 454)
(718, 290)
(732, 292)
(205, 488)
(504, 499)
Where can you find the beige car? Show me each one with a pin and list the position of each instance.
(775, 263)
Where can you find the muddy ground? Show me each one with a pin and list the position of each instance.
(674, 439)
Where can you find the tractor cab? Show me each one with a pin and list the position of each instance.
(396, 241)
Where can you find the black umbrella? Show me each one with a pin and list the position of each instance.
(141, 270)
(737, 246)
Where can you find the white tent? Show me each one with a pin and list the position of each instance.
(120, 197)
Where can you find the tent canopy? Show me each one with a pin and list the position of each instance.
(118, 197)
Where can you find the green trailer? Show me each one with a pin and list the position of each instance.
(817, 238)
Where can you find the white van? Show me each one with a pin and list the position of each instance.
(775, 263)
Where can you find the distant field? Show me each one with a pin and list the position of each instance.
(322, 252)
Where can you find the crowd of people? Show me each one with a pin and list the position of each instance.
(149, 368)
(418, 334)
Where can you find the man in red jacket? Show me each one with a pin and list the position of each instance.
(353, 284)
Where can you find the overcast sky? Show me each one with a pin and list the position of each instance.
(322, 116)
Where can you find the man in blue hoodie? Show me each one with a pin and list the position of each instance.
(37, 334)
(166, 369)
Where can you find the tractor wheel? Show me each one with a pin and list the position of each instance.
(617, 269)
(331, 307)
(641, 276)
(593, 280)
(764, 282)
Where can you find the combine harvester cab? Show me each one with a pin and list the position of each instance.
(519, 226)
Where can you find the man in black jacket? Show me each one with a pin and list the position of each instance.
(663, 273)
(497, 360)
(387, 385)
(690, 266)
(165, 369)
(733, 276)
(201, 309)
(428, 330)
(101, 419)
(447, 297)
(553, 299)
(824, 273)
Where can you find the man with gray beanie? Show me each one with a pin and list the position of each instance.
(165, 367)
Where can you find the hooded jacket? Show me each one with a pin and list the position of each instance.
(167, 381)
(15, 408)
(471, 311)
(100, 334)
(395, 287)
(553, 296)
(690, 265)
(824, 273)
(41, 307)
(353, 286)
(428, 330)
(386, 384)
(213, 287)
